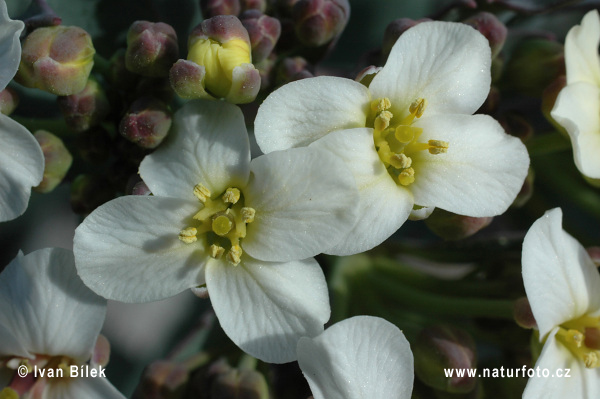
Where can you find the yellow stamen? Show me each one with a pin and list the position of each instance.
(232, 195)
(437, 147)
(400, 161)
(201, 192)
(382, 121)
(591, 360)
(188, 235)
(406, 177)
(418, 107)
(216, 251)
(234, 255)
(8, 393)
(222, 225)
(381, 104)
(248, 214)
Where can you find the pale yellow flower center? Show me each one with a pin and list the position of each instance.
(396, 140)
(221, 222)
(582, 337)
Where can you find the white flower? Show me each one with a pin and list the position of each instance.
(563, 287)
(244, 229)
(21, 158)
(409, 138)
(357, 358)
(49, 320)
(577, 106)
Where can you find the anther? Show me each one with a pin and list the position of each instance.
(417, 108)
(407, 177)
(400, 161)
(248, 214)
(216, 251)
(232, 195)
(381, 104)
(234, 255)
(188, 235)
(201, 192)
(591, 360)
(437, 147)
(382, 122)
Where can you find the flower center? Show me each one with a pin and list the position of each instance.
(396, 140)
(222, 221)
(28, 371)
(582, 338)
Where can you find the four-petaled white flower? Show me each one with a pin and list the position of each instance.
(21, 158)
(49, 321)
(563, 287)
(409, 137)
(357, 358)
(246, 230)
(577, 106)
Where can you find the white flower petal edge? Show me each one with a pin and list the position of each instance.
(446, 63)
(576, 109)
(47, 308)
(561, 281)
(480, 174)
(10, 46)
(128, 249)
(302, 196)
(360, 357)
(581, 50)
(21, 167)
(383, 206)
(266, 307)
(207, 144)
(582, 383)
(301, 112)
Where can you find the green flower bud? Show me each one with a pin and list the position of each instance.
(445, 347)
(9, 99)
(57, 160)
(318, 22)
(57, 59)
(85, 109)
(490, 27)
(240, 384)
(264, 31)
(212, 8)
(220, 46)
(89, 192)
(151, 48)
(146, 123)
(454, 227)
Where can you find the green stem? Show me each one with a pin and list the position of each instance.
(247, 362)
(425, 302)
(101, 65)
(548, 144)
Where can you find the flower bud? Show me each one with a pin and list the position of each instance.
(221, 47)
(454, 227)
(523, 314)
(57, 59)
(146, 123)
(264, 32)
(101, 352)
(85, 109)
(393, 31)
(318, 22)
(136, 186)
(151, 48)
(534, 64)
(594, 253)
(9, 99)
(260, 5)
(445, 347)
(490, 27)
(162, 379)
(89, 192)
(212, 8)
(94, 145)
(291, 69)
(57, 160)
(240, 384)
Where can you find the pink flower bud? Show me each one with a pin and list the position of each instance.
(57, 59)
(318, 22)
(453, 227)
(260, 5)
(264, 31)
(85, 109)
(57, 160)
(393, 31)
(291, 69)
(146, 123)
(490, 27)
(151, 48)
(9, 99)
(212, 8)
(523, 314)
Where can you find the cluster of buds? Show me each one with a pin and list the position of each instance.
(85, 109)
(57, 59)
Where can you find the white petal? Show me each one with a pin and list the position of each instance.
(576, 109)
(480, 175)
(383, 206)
(446, 63)
(581, 50)
(360, 357)
(266, 307)
(129, 249)
(21, 167)
(82, 388)
(582, 383)
(207, 144)
(303, 111)
(305, 202)
(10, 46)
(45, 305)
(561, 281)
